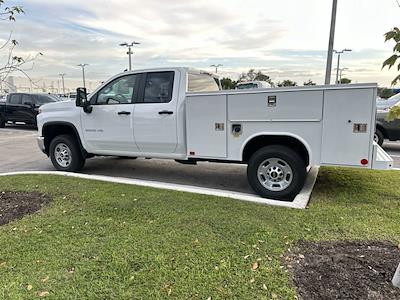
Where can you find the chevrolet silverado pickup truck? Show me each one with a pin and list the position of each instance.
(22, 107)
(181, 114)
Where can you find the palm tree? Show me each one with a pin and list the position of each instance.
(391, 61)
(394, 35)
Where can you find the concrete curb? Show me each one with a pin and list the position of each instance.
(396, 278)
(300, 202)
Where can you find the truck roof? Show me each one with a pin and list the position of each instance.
(182, 69)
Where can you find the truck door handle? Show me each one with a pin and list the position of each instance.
(165, 112)
(124, 113)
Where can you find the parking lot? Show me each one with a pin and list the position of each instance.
(19, 152)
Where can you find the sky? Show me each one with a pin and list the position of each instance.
(286, 39)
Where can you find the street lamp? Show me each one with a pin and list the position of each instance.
(216, 67)
(62, 79)
(338, 62)
(83, 73)
(129, 51)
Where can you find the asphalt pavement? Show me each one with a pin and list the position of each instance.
(19, 152)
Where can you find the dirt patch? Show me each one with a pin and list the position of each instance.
(15, 205)
(344, 270)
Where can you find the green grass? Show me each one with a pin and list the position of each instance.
(112, 241)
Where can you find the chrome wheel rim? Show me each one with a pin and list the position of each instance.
(62, 154)
(275, 174)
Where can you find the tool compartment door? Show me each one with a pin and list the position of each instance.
(206, 126)
(347, 126)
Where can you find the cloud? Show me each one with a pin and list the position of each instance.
(286, 38)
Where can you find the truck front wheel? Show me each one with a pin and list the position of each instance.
(276, 172)
(65, 154)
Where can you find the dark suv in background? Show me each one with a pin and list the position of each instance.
(23, 107)
(386, 130)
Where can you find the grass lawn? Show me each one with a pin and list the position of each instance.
(111, 241)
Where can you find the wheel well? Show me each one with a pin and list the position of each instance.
(266, 140)
(50, 131)
(382, 129)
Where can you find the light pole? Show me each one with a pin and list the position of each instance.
(83, 73)
(338, 62)
(62, 80)
(216, 67)
(328, 73)
(129, 51)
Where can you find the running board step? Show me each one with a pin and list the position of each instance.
(381, 160)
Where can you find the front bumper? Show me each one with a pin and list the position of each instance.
(40, 141)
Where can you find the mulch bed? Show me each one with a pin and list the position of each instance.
(15, 205)
(344, 270)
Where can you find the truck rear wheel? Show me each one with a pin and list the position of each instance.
(65, 154)
(276, 172)
(378, 137)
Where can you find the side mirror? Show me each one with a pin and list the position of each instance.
(82, 101)
(81, 97)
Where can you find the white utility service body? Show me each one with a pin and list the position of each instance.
(271, 130)
(322, 118)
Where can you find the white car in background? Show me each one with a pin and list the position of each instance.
(252, 85)
(387, 104)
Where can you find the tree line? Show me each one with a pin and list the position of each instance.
(253, 75)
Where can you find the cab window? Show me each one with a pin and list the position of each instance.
(27, 99)
(202, 82)
(16, 99)
(158, 87)
(119, 91)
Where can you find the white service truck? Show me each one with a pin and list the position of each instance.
(181, 114)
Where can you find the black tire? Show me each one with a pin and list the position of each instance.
(77, 161)
(282, 155)
(2, 122)
(379, 138)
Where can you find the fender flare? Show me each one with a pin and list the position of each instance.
(71, 126)
(283, 134)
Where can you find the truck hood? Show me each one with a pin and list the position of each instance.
(58, 106)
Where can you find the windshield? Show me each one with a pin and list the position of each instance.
(395, 97)
(43, 99)
(244, 86)
(55, 97)
(389, 102)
